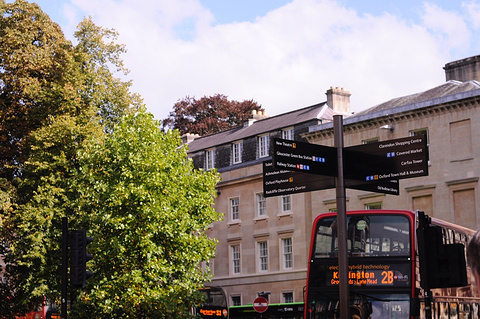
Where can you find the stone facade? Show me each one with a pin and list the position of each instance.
(268, 251)
(450, 191)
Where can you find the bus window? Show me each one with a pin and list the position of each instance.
(382, 269)
(363, 306)
(324, 239)
(215, 297)
(215, 305)
(372, 235)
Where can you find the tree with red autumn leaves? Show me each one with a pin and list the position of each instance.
(209, 114)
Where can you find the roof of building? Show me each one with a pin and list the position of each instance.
(319, 111)
(447, 92)
(446, 89)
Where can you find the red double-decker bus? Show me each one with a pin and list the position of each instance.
(384, 268)
(215, 305)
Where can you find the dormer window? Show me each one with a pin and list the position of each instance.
(263, 145)
(237, 148)
(287, 133)
(210, 159)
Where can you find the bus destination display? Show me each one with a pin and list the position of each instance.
(397, 275)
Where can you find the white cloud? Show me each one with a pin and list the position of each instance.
(449, 26)
(473, 11)
(284, 60)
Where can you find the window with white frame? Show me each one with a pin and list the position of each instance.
(261, 205)
(422, 131)
(286, 203)
(209, 159)
(264, 294)
(237, 148)
(376, 205)
(234, 208)
(287, 297)
(235, 259)
(287, 253)
(263, 255)
(287, 133)
(236, 300)
(263, 145)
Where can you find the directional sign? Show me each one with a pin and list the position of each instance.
(393, 159)
(390, 187)
(284, 182)
(278, 182)
(260, 304)
(375, 167)
(306, 157)
(381, 161)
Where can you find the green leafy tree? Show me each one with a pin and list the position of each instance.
(209, 115)
(31, 231)
(34, 60)
(148, 210)
(53, 95)
(95, 55)
(137, 193)
(43, 75)
(130, 184)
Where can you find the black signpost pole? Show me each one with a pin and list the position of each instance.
(64, 268)
(374, 167)
(341, 220)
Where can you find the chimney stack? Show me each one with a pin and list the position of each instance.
(256, 115)
(188, 137)
(338, 99)
(463, 70)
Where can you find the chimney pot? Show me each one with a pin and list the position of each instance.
(338, 99)
(256, 115)
(188, 137)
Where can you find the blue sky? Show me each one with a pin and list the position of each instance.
(284, 54)
(229, 11)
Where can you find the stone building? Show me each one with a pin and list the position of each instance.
(264, 242)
